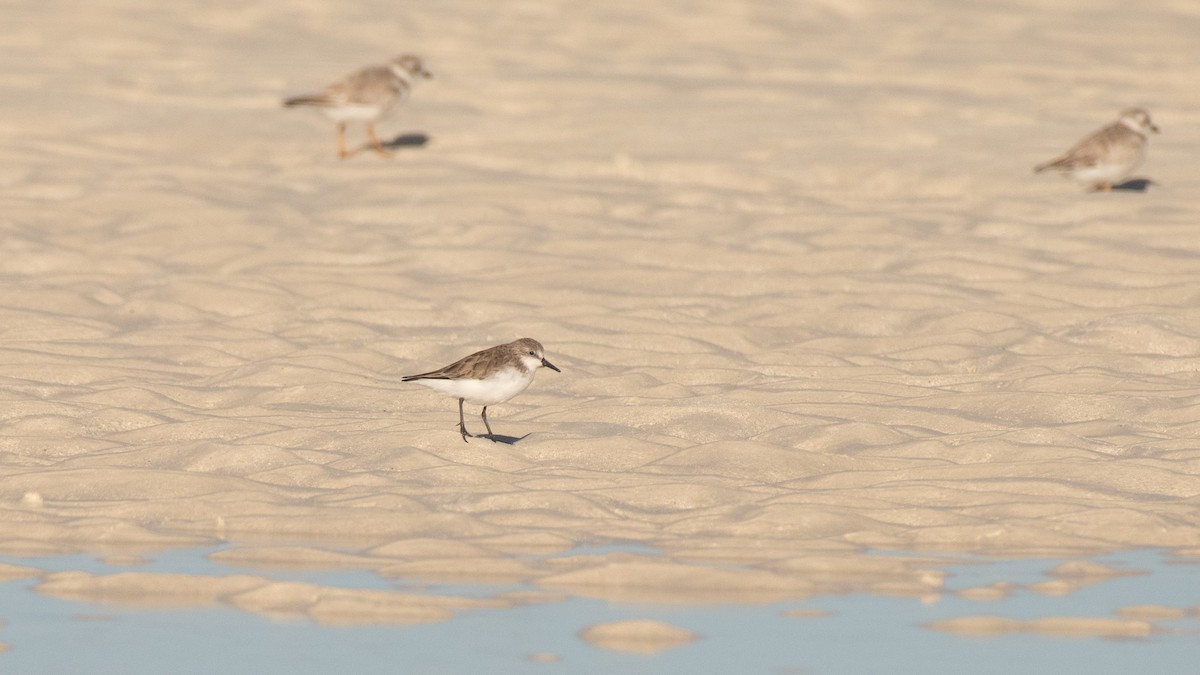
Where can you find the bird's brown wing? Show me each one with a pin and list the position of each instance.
(373, 85)
(464, 367)
(1110, 144)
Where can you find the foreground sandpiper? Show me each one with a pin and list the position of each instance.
(487, 377)
(366, 95)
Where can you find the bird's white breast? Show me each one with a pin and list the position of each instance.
(351, 112)
(497, 388)
(1105, 173)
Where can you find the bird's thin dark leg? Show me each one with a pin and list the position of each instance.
(489, 427)
(462, 422)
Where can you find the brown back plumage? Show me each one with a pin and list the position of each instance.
(373, 85)
(483, 361)
(1118, 143)
(1112, 144)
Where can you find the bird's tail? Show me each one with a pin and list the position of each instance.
(311, 99)
(1057, 163)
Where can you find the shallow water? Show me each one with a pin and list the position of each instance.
(835, 634)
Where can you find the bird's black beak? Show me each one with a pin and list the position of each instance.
(551, 366)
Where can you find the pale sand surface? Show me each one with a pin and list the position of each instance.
(1057, 626)
(805, 292)
(279, 599)
(640, 636)
(1069, 577)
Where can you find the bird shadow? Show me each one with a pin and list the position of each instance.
(1134, 185)
(500, 438)
(411, 140)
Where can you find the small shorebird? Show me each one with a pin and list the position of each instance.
(367, 94)
(487, 377)
(1107, 155)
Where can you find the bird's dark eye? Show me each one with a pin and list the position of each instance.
(532, 354)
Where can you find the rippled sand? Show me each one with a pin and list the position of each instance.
(806, 294)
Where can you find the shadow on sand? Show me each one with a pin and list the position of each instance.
(1134, 185)
(500, 438)
(413, 140)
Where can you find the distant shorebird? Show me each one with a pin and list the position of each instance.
(366, 95)
(487, 377)
(1107, 155)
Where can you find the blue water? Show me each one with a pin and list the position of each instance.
(862, 634)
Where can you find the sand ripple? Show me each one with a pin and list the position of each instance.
(804, 304)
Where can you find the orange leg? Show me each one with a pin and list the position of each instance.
(375, 141)
(341, 131)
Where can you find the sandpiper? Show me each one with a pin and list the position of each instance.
(487, 377)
